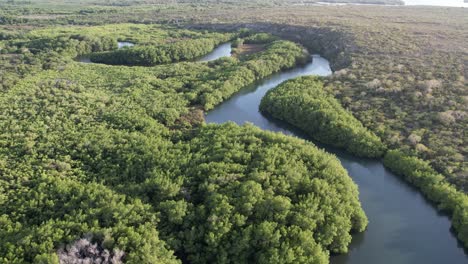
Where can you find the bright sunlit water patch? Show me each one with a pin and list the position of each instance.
(458, 3)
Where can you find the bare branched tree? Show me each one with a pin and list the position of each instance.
(84, 251)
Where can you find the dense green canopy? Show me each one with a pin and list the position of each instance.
(434, 187)
(161, 54)
(103, 153)
(119, 158)
(304, 103)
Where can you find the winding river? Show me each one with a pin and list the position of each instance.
(403, 227)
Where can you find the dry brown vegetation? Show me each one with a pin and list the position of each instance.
(246, 49)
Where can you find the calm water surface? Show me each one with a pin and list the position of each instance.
(223, 50)
(403, 227)
(458, 3)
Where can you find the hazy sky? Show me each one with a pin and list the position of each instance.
(436, 2)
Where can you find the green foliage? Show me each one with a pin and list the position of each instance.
(279, 55)
(434, 187)
(237, 42)
(393, 78)
(116, 153)
(43, 211)
(127, 132)
(140, 34)
(9, 20)
(260, 38)
(23, 54)
(304, 103)
(69, 45)
(265, 198)
(161, 54)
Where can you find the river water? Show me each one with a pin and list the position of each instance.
(455, 3)
(403, 227)
(223, 50)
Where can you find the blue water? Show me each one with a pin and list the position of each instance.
(403, 227)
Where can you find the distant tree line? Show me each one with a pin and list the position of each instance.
(71, 46)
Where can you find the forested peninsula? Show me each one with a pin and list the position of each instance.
(304, 103)
(118, 159)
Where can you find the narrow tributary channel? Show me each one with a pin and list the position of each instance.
(403, 227)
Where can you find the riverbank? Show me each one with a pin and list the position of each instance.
(387, 85)
(403, 226)
(304, 103)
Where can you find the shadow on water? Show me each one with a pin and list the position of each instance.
(404, 228)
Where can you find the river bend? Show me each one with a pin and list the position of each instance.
(403, 227)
